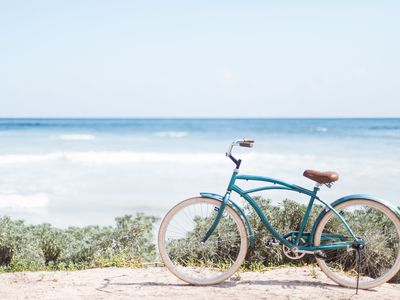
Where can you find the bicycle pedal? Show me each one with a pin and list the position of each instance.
(320, 254)
(271, 243)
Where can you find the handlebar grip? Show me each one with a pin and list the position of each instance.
(248, 141)
(246, 144)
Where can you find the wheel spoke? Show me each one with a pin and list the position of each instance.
(378, 227)
(187, 256)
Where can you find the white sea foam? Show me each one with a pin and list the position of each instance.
(272, 160)
(322, 129)
(117, 157)
(172, 134)
(16, 201)
(256, 163)
(28, 158)
(76, 137)
(121, 157)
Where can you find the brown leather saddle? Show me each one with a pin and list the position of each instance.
(326, 177)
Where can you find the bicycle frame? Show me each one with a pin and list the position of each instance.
(280, 185)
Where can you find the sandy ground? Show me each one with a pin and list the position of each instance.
(156, 283)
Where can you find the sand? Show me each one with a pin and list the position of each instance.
(158, 283)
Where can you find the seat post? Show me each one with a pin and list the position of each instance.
(318, 185)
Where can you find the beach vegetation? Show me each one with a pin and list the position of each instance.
(130, 242)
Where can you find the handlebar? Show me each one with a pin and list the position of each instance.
(248, 143)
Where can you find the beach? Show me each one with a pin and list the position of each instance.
(158, 283)
(80, 172)
(206, 137)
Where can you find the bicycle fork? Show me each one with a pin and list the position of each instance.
(225, 201)
(214, 225)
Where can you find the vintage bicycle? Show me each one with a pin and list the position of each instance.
(204, 240)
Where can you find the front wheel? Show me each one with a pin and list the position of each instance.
(187, 257)
(377, 226)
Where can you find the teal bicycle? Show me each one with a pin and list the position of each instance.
(205, 239)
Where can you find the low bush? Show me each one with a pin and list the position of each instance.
(42, 247)
(130, 242)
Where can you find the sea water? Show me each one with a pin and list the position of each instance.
(88, 171)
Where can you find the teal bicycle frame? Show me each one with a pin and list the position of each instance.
(281, 185)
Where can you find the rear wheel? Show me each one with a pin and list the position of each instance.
(187, 257)
(378, 227)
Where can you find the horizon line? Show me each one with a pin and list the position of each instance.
(187, 118)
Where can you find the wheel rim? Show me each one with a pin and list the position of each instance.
(193, 261)
(378, 227)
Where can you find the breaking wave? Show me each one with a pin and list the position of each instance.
(17, 201)
(76, 137)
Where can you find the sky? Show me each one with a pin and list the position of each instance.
(199, 58)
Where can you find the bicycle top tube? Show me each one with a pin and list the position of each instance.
(277, 184)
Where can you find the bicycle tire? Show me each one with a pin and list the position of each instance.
(183, 253)
(379, 227)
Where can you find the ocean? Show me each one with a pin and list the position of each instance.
(88, 171)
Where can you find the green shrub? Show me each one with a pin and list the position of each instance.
(51, 242)
(84, 244)
(43, 247)
(16, 241)
(131, 242)
(133, 237)
(7, 241)
(6, 254)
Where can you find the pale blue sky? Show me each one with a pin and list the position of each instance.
(199, 58)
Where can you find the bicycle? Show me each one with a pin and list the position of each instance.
(204, 240)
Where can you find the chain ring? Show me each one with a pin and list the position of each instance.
(292, 253)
